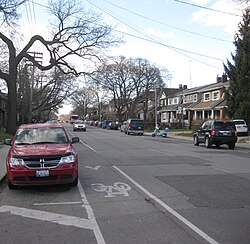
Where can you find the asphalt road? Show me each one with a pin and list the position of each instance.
(136, 189)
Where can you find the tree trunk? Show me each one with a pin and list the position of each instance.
(12, 102)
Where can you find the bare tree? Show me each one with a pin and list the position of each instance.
(81, 99)
(242, 1)
(50, 89)
(8, 10)
(76, 33)
(128, 81)
(146, 77)
(114, 76)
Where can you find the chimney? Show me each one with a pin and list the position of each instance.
(224, 78)
(180, 87)
(219, 79)
(185, 87)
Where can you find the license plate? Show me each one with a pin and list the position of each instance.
(42, 173)
(139, 127)
(225, 133)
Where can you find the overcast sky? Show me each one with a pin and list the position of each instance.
(191, 39)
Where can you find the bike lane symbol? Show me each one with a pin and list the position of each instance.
(118, 188)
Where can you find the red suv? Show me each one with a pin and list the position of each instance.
(41, 154)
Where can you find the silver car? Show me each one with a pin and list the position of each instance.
(79, 125)
(241, 127)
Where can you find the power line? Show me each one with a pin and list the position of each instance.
(178, 50)
(171, 26)
(199, 6)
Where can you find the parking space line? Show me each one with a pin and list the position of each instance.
(56, 203)
(169, 209)
(91, 216)
(48, 216)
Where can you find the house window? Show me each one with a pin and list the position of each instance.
(206, 96)
(175, 100)
(169, 101)
(195, 98)
(216, 95)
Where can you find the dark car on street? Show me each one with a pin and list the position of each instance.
(216, 132)
(105, 123)
(134, 126)
(113, 125)
(41, 154)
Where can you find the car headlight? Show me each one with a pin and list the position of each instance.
(16, 162)
(67, 159)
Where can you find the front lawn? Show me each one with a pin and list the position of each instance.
(4, 135)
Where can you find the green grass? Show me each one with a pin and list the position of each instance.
(4, 135)
(188, 134)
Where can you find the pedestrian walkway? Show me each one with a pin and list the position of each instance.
(3, 153)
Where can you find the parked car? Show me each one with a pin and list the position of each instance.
(96, 123)
(105, 123)
(113, 125)
(41, 154)
(241, 127)
(216, 132)
(79, 125)
(99, 124)
(134, 126)
(123, 126)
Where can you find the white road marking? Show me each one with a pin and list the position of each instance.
(50, 217)
(169, 209)
(56, 203)
(94, 168)
(223, 170)
(119, 188)
(91, 148)
(91, 216)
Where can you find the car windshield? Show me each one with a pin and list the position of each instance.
(79, 122)
(137, 122)
(239, 122)
(29, 136)
(224, 126)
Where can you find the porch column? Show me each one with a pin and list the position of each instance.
(203, 114)
(171, 116)
(212, 114)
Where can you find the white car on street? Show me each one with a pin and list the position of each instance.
(241, 127)
(79, 125)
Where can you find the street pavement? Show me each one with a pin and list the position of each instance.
(4, 149)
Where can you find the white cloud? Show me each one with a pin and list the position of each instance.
(200, 2)
(160, 34)
(229, 23)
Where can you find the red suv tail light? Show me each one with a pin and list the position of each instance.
(213, 132)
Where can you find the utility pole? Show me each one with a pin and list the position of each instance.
(155, 106)
(38, 57)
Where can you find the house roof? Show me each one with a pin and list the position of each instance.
(207, 105)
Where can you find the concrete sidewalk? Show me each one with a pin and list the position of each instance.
(3, 153)
(4, 149)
